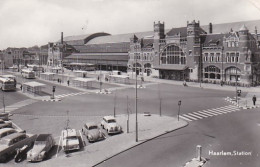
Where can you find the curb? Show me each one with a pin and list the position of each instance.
(104, 92)
(228, 99)
(142, 142)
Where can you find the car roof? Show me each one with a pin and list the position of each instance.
(91, 124)
(13, 135)
(5, 130)
(69, 132)
(3, 125)
(42, 137)
(109, 117)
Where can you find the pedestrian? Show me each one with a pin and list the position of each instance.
(68, 82)
(254, 99)
(58, 80)
(21, 87)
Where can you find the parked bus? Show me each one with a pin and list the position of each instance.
(7, 83)
(26, 73)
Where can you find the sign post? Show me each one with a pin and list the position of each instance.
(179, 104)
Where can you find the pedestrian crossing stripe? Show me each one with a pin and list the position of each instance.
(202, 115)
(208, 113)
(71, 94)
(195, 116)
(187, 119)
(190, 117)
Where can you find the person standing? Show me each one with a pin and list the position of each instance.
(68, 82)
(254, 99)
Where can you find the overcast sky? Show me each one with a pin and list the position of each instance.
(26, 23)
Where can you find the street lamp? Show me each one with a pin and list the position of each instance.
(236, 59)
(136, 119)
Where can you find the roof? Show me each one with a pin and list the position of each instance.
(175, 31)
(171, 67)
(42, 137)
(109, 117)
(5, 130)
(84, 37)
(226, 27)
(243, 28)
(11, 136)
(34, 84)
(85, 79)
(212, 39)
(97, 56)
(91, 124)
(119, 38)
(69, 132)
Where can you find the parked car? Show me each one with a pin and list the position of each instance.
(70, 140)
(110, 125)
(5, 122)
(10, 143)
(42, 145)
(92, 132)
(7, 131)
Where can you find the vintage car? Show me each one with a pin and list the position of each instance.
(110, 125)
(42, 145)
(7, 131)
(6, 122)
(11, 143)
(70, 140)
(92, 132)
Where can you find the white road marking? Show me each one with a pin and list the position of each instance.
(185, 115)
(187, 119)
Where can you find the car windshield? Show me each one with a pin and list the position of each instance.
(92, 127)
(111, 121)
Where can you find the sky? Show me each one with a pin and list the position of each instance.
(26, 23)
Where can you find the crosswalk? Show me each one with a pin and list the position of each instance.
(70, 94)
(17, 105)
(197, 115)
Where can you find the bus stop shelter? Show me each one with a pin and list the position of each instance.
(48, 76)
(83, 82)
(80, 73)
(119, 79)
(34, 88)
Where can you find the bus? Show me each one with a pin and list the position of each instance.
(35, 68)
(29, 74)
(7, 84)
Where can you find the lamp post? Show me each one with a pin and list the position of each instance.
(236, 73)
(136, 118)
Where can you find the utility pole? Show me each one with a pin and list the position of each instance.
(236, 73)
(127, 109)
(136, 118)
(179, 104)
(115, 105)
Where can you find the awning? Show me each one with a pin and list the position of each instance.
(34, 84)
(176, 67)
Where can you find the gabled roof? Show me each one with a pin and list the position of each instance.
(212, 39)
(175, 31)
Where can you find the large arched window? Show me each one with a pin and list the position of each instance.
(173, 54)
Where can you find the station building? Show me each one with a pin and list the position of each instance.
(220, 53)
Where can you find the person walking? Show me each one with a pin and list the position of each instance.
(68, 82)
(254, 99)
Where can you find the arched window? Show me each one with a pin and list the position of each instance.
(173, 54)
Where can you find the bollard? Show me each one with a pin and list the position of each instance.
(198, 152)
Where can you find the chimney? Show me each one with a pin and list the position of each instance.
(61, 38)
(210, 28)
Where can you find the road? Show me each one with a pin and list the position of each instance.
(238, 131)
(175, 148)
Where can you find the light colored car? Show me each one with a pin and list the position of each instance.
(70, 140)
(7, 131)
(110, 125)
(6, 122)
(92, 132)
(42, 145)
